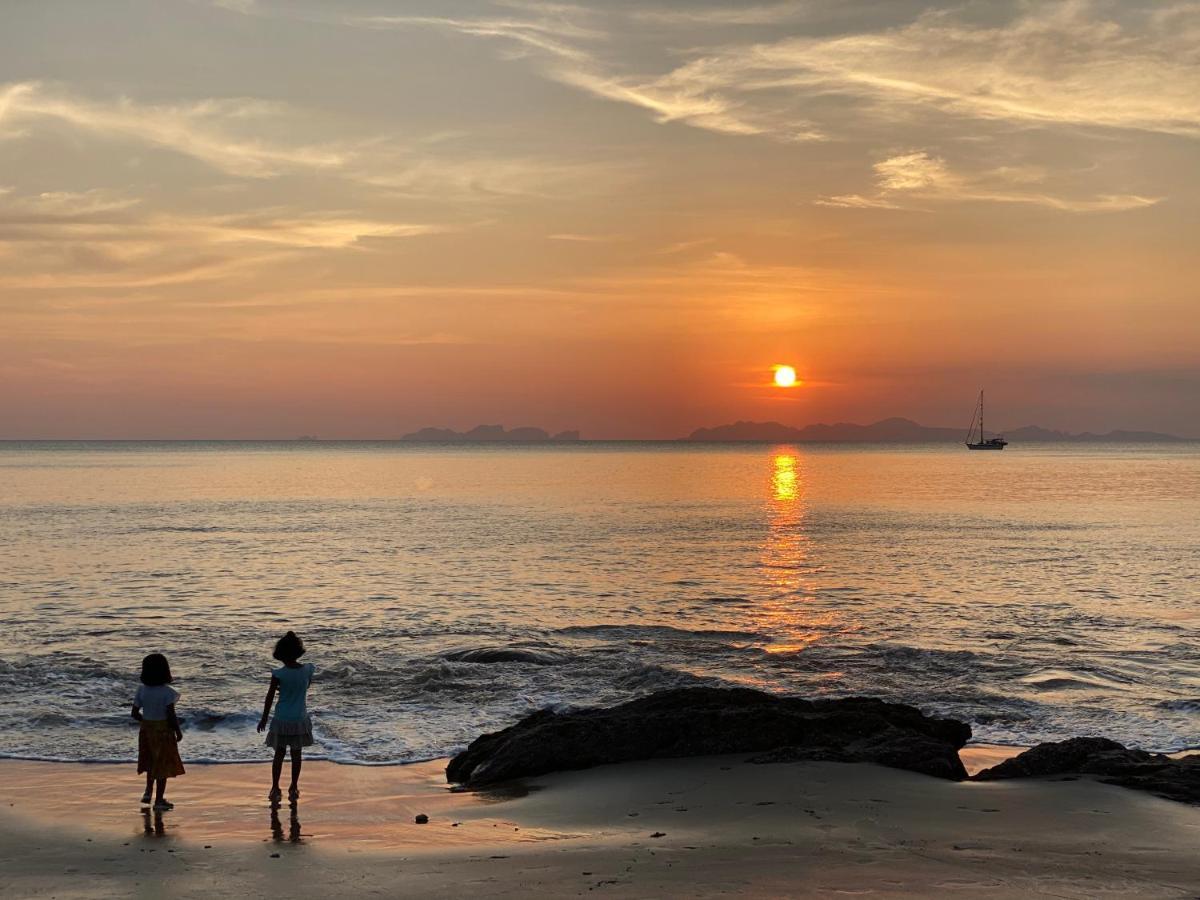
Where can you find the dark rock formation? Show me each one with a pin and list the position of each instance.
(1178, 779)
(1112, 763)
(705, 721)
(1077, 756)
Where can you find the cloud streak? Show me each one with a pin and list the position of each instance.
(205, 130)
(581, 67)
(1059, 64)
(1065, 63)
(922, 176)
(98, 239)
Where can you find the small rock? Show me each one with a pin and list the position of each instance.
(659, 834)
(274, 856)
(422, 819)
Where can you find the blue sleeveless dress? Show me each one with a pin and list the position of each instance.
(291, 726)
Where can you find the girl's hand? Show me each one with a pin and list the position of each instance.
(262, 723)
(178, 735)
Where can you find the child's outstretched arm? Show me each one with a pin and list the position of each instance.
(173, 721)
(262, 723)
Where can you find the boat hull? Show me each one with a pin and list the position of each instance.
(986, 446)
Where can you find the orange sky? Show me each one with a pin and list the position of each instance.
(254, 219)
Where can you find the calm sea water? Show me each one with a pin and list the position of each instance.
(443, 591)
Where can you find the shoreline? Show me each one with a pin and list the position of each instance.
(700, 826)
(974, 756)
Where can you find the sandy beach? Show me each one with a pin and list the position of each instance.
(707, 827)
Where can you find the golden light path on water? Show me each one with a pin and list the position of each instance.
(786, 610)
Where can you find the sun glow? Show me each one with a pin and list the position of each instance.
(785, 376)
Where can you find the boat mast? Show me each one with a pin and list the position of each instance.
(981, 417)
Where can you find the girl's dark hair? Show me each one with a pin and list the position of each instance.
(288, 648)
(156, 670)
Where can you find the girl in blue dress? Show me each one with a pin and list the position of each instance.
(291, 728)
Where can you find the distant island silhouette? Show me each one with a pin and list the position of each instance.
(900, 431)
(489, 434)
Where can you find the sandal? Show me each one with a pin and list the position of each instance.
(163, 805)
(275, 795)
(146, 799)
(293, 793)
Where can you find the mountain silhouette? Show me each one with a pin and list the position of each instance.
(898, 431)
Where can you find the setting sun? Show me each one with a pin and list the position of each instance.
(785, 376)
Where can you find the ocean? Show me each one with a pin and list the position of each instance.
(443, 591)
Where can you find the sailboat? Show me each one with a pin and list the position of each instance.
(995, 443)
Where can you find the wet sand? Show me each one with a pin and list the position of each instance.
(704, 827)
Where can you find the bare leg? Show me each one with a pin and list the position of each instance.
(160, 788)
(297, 761)
(277, 770)
(149, 788)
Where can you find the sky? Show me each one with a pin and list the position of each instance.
(262, 219)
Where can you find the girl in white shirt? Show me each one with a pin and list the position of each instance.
(159, 736)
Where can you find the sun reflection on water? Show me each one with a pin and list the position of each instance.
(785, 551)
(785, 478)
(786, 612)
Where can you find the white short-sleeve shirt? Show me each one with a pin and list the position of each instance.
(155, 700)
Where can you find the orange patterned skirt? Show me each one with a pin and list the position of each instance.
(158, 752)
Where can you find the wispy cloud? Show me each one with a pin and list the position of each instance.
(857, 201)
(63, 205)
(561, 44)
(211, 131)
(1058, 63)
(1074, 62)
(228, 135)
(330, 232)
(101, 239)
(572, 237)
(922, 176)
